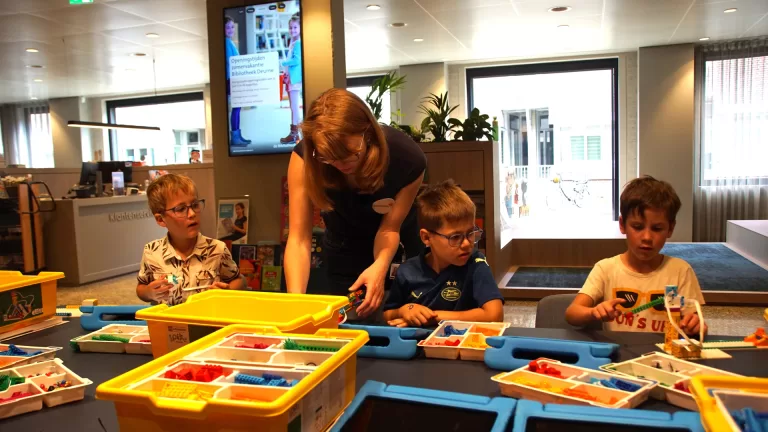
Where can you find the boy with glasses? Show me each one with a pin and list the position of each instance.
(638, 276)
(184, 258)
(450, 280)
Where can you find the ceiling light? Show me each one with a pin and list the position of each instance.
(559, 9)
(398, 24)
(82, 124)
(564, 26)
(32, 50)
(730, 10)
(130, 70)
(37, 80)
(33, 98)
(152, 35)
(139, 54)
(35, 66)
(704, 39)
(373, 7)
(418, 40)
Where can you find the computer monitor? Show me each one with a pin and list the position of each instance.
(107, 168)
(88, 173)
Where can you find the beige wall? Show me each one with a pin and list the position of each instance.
(67, 145)
(666, 123)
(260, 177)
(421, 80)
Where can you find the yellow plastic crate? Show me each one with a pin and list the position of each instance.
(26, 300)
(728, 393)
(145, 400)
(175, 326)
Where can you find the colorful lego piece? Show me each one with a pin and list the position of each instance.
(252, 346)
(486, 331)
(110, 338)
(657, 302)
(291, 344)
(449, 330)
(177, 390)
(544, 368)
(15, 351)
(758, 338)
(681, 386)
(264, 380)
(14, 396)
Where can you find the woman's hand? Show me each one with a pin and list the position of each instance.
(373, 281)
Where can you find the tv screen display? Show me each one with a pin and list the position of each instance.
(264, 76)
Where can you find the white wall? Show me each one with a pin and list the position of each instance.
(67, 147)
(421, 80)
(666, 124)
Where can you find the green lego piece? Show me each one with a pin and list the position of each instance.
(657, 302)
(110, 338)
(74, 345)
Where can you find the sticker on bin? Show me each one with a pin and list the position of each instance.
(461, 339)
(26, 300)
(115, 338)
(174, 327)
(243, 378)
(26, 388)
(672, 374)
(549, 381)
(731, 403)
(16, 355)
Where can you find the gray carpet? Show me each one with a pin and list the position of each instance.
(717, 267)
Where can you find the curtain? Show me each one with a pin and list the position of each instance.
(26, 132)
(731, 103)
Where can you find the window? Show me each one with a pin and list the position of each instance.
(180, 117)
(577, 148)
(593, 148)
(361, 86)
(734, 117)
(40, 153)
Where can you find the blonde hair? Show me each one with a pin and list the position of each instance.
(165, 187)
(444, 202)
(331, 119)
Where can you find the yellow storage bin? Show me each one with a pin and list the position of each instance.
(26, 300)
(171, 327)
(319, 372)
(727, 394)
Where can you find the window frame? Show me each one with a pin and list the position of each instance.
(112, 105)
(608, 63)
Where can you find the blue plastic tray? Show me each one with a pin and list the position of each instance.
(401, 343)
(92, 318)
(501, 355)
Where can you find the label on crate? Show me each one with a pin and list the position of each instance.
(319, 407)
(178, 336)
(21, 304)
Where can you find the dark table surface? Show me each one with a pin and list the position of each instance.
(451, 375)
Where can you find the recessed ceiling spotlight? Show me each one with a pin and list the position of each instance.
(32, 50)
(704, 39)
(730, 10)
(373, 7)
(38, 80)
(418, 40)
(35, 66)
(152, 35)
(398, 24)
(564, 26)
(33, 98)
(139, 54)
(559, 9)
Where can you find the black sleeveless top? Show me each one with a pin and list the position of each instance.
(352, 224)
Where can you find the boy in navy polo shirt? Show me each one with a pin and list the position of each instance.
(450, 280)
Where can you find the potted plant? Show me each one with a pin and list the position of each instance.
(473, 128)
(437, 110)
(414, 132)
(388, 83)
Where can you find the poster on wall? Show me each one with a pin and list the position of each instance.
(232, 225)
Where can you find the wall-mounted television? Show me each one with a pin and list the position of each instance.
(264, 76)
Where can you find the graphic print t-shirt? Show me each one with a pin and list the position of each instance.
(611, 279)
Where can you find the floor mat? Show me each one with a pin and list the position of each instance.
(717, 267)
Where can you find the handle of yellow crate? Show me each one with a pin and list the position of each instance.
(175, 405)
(337, 333)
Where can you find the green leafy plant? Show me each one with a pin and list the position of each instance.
(412, 131)
(437, 110)
(474, 128)
(389, 82)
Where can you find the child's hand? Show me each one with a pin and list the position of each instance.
(158, 289)
(220, 285)
(606, 311)
(417, 315)
(398, 322)
(690, 324)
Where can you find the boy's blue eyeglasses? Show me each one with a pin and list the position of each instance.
(455, 240)
(182, 210)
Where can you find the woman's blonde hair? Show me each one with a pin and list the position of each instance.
(331, 119)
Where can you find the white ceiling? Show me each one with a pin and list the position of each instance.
(86, 49)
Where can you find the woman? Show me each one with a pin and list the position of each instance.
(240, 228)
(364, 177)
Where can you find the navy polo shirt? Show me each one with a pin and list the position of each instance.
(455, 289)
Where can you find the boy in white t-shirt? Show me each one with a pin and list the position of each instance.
(639, 275)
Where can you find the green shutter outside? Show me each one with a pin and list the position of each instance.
(593, 148)
(577, 148)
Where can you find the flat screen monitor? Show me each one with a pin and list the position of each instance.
(88, 173)
(264, 76)
(107, 168)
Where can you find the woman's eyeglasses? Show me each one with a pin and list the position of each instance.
(455, 240)
(182, 210)
(353, 158)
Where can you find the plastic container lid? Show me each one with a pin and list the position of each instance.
(13, 279)
(222, 307)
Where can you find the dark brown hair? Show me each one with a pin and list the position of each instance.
(228, 19)
(164, 187)
(333, 117)
(647, 192)
(441, 203)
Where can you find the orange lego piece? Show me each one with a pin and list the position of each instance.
(758, 337)
(486, 331)
(581, 394)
